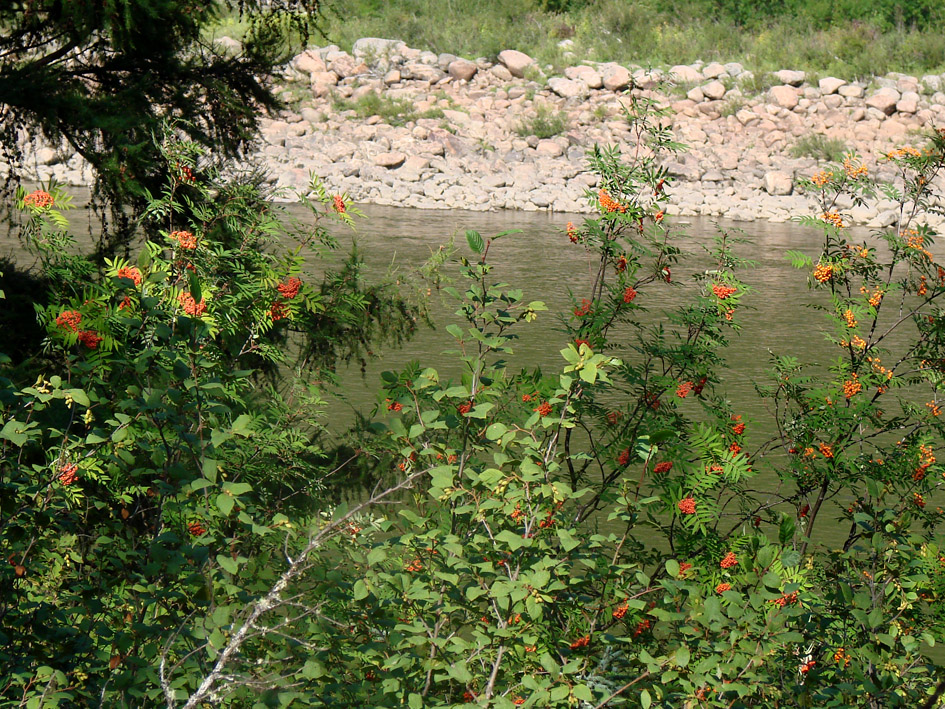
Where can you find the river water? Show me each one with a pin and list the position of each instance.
(546, 266)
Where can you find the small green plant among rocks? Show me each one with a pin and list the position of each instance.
(819, 147)
(394, 111)
(546, 123)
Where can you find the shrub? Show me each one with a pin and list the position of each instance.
(391, 110)
(546, 123)
(147, 482)
(819, 147)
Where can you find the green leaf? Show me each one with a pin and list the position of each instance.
(645, 699)
(551, 667)
(589, 372)
(496, 431)
(568, 542)
(225, 503)
(583, 692)
(13, 431)
(79, 397)
(672, 568)
(474, 239)
(193, 282)
(786, 531)
(227, 563)
(682, 656)
(513, 540)
(360, 590)
(241, 425)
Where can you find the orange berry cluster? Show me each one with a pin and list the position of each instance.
(68, 474)
(572, 232)
(38, 199)
(609, 204)
(131, 273)
(908, 151)
(854, 168)
(190, 306)
(823, 272)
(184, 239)
(851, 387)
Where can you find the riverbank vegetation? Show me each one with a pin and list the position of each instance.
(171, 534)
(845, 39)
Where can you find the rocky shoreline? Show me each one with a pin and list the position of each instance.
(450, 133)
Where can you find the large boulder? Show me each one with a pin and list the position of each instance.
(228, 45)
(308, 62)
(932, 83)
(419, 71)
(616, 77)
(851, 91)
(713, 70)
(790, 77)
(714, 90)
(830, 85)
(549, 148)
(390, 160)
(568, 88)
(778, 183)
(462, 70)
(586, 74)
(909, 103)
(884, 100)
(516, 62)
(501, 73)
(345, 65)
(783, 96)
(685, 74)
(323, 82)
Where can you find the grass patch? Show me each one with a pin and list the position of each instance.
(850, 47)
(819, 147)
(732, 106)
(395, 112)
(544, 124)
(757, 83)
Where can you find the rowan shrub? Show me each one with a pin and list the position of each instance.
(157, 556)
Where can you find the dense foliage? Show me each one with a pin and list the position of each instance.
(595, 536)
(102, 76)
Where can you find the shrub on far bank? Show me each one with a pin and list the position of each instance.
(819, 147)
(545, 123)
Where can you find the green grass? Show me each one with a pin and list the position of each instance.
(758, 83)
(396, 112)
(544, 124)
(860, 44)
(819, 147)
(643, 32)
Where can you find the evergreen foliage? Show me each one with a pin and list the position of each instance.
(102, 76)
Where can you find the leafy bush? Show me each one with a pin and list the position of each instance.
(545, 123)
(819, 147)
(164, 546)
